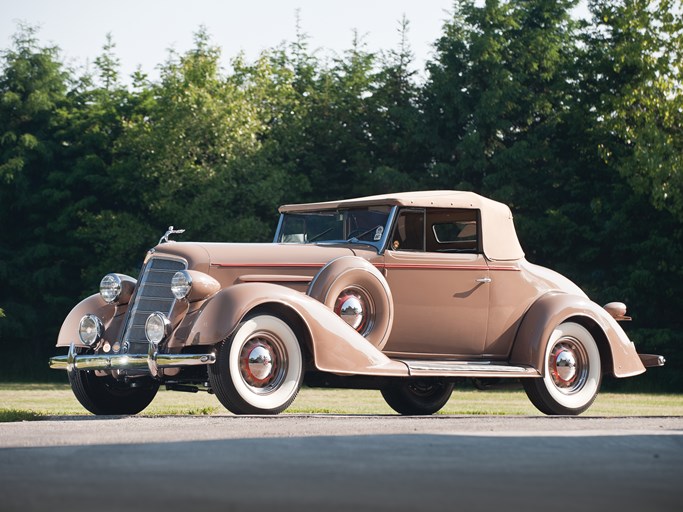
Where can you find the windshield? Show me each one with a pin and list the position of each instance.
(356, 225)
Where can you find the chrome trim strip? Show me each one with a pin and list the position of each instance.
(73, 361)
(467, 368)
(268, 265)
(272, 278)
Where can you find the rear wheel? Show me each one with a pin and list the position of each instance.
(259, 369)
(418, 397)
(572, 372)
(106, 395)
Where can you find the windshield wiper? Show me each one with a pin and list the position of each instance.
(355, 238)
(313, 239)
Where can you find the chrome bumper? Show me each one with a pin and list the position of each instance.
(152, 361)
(650, 360)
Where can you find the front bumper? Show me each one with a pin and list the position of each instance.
(152, 361)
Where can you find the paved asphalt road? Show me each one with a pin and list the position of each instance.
(342, 463)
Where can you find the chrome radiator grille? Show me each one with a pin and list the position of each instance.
(153, 293)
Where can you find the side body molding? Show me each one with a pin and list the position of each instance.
(552, 309)
(336, 346)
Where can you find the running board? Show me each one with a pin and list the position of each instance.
(430, 368)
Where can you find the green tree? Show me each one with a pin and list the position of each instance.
(636, 50)
(337, 154)
(35, 259)
(103, 108)
(631, 116)
(394, 121)
(496, 94)
(203, 145)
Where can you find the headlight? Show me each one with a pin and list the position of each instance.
(117, 288)
(90, 329)
(157, 327)
(181, 284)
(110, 288)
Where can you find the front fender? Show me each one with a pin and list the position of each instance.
(552, 309)
(336, 346)
(111, 316)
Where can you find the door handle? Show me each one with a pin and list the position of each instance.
(485, 280)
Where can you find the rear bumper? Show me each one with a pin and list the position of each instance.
(650, 360)
(152, 361)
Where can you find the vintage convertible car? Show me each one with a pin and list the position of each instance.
(406, 293)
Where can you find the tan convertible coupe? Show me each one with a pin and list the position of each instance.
(406, 293)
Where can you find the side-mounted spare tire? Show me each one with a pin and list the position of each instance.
(356, 291)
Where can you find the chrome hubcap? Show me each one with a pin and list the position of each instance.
(356, 308)
(351, 310)
(568, 365)
(260, 362)
(565, 365)
(263, 363)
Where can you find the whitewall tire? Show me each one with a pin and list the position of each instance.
(571, 372)
(259, 369)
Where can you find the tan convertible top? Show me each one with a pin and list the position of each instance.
(498, 231)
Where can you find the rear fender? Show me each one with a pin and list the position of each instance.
(336, 347)
(551, 310)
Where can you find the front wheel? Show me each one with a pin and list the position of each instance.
(106, 395)
(417, 397)
(571, 372)
(259, 369)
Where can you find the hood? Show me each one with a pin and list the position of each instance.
(230, 263)
(249, 255)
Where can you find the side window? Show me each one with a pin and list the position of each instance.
(409, 233)
(453, 231)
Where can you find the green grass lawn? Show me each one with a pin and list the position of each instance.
(19, 402)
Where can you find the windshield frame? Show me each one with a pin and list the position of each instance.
(379, 245)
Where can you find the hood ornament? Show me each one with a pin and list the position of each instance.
(164, 239)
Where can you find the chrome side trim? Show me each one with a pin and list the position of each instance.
(424, 368)
(73, 361)
(274, 278)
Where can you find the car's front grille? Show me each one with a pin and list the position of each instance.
(153, 293)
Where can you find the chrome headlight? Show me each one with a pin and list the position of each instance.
(181, 284)
(157, 327)
(90, 329)
(110, 288)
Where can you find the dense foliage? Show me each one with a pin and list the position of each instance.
(576, 124)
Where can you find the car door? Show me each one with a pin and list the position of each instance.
(439, 282)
